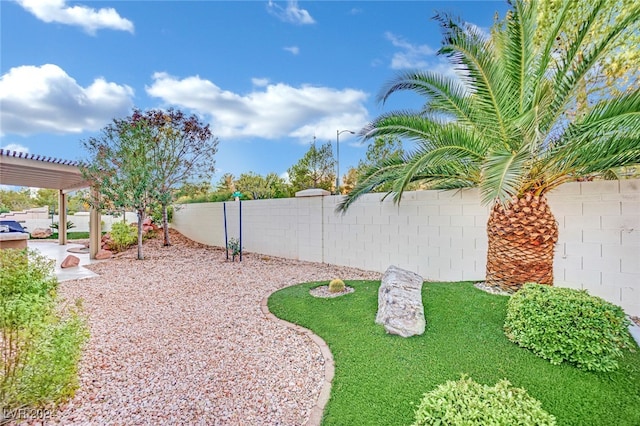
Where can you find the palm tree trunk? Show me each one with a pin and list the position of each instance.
(522, 237)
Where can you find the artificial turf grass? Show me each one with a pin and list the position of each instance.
(381, 378)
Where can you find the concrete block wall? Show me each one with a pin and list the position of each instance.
(439, 234)
(599, 240)
(79, 219)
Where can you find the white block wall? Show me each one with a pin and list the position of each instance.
(599, 240)
(80, 220)
(439, 234)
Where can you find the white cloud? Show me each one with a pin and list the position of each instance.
(45, 99)
(260, 82)
(16, 147)
(293, 49)
(271, 112)
(292, 13)
(88, 18)
(410, 55)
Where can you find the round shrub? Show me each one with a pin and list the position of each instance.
(563, 324)
(336, 286)
(465, 402)
(123, 236)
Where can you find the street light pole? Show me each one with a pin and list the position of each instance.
(338, 133)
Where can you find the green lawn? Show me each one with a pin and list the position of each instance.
(71, 235)
(380, 378)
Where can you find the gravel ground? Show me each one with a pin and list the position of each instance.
(179, 338)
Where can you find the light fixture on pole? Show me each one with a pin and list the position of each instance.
(338, 133)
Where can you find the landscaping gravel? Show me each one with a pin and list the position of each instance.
(179, 338)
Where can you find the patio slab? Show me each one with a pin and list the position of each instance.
(53, 250)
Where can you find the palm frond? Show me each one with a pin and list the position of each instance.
(374, 176)
(503, 174)
(572, 69)
(483, 74)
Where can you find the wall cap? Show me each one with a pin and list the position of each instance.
(313, 192)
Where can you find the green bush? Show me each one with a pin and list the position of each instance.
(563, 324)
(40, 345)
(465, 402)
(123, 236)
(156, 214)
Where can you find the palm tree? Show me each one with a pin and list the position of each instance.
(502, 126)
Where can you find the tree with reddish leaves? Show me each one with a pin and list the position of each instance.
(120, 171)
(182, 150)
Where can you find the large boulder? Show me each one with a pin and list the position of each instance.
(41, 233)
(400, 308)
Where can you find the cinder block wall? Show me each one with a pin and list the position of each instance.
(599, 240)
(439, 234)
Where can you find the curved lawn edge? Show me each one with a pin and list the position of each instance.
(315, 416)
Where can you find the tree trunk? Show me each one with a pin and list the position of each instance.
(165, 225)
(522, 237)
(140, 220)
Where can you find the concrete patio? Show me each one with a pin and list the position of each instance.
(53, 250)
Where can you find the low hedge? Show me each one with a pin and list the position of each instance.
(563, 324)
(465, 402)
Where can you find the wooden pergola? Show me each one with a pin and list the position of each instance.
(36, 171)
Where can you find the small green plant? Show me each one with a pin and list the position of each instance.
(234, 246)
(465, 402)
(156, 214)
(41, 343)
(563, 324)
(123, 236)
(56, 225)
(336, 286)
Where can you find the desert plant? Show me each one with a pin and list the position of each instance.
(563, 324)
(40, 346)
(465, 402)
(234, 246)
(56, 225)
(123, 236)
(336, 286)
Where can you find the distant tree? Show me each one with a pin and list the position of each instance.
(77, 201)
(47, 197)
(226, 183)
(193, 190)
(381, 149)
(120, 167)
(256, 187)
(279, 187)
(183, 149)
(16, 200)
(349, 180)
(314, 170)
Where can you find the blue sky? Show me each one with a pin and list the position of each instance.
(268, 76)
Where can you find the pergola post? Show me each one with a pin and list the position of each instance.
(95, 230)
(62, 216)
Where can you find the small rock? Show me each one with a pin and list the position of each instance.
(103, 254)
(70, 261)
